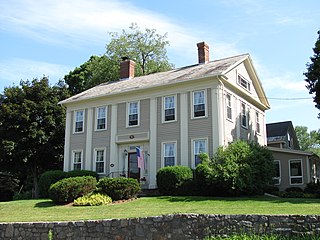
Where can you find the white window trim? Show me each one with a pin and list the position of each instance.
(227, 106)
(205, 104)
(163, 149)
(257, 117)
(175, 108)
(75, 118)
(96, 119)
(290, 177)
(104, 159)
(127, 114)
(73, 154)
(279, 178)
(247, 114)
(193, 149)
(248, 82)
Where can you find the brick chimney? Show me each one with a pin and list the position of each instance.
(127, 68)
(203, 52)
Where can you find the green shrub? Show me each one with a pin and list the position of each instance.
(25, 195)
(95, 199)
(170, 180)
(81, 173)
(294, 189)
(240, 169)
(47, 179)
(313, 188)
(69, 189)
(119, 188)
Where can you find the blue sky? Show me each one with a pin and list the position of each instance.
(53, 37)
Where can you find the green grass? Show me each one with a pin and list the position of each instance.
(45, 210)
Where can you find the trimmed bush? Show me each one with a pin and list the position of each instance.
(47, 179)
(119, 188)
(94, 199)
(69, 189)
(171, 179)
(81, 173)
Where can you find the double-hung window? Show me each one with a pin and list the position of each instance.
(77, 160)
(199, 104)
(169, 154)
(295, 172)
(133, 114)
(101, 118)
(169, 107)
(258, 128)
(79, 121)
(244, 83)
(277, 176)
(100, 160)
(244, 115)
(199, 146)
(229, 106)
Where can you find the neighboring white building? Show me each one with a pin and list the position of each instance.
(171, 116)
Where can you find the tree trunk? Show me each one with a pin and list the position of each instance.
(35, 183)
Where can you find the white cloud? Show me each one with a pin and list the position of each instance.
(80, 20)
(14, 70)
(83, 23)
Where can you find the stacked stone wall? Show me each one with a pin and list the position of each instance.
(175, 226)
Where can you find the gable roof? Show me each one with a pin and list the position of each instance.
(188, 73)
(278, 129)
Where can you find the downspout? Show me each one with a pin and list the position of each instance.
(221, 113)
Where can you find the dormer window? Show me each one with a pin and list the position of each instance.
(244, 83)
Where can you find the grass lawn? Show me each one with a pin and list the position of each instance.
(45, 210)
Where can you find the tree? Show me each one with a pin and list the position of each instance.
(313, 74)
(147, 48)
(308, 141)
(32, 128)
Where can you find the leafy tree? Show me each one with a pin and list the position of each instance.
(313, 74)
(147, 48)
(32, 128)
(308, 141)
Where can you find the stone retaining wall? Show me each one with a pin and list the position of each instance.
(175, 226)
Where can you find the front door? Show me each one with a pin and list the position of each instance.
(133, 170)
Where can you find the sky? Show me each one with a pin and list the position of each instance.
(51, 38)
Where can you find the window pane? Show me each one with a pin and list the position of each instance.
(101, 123)
(199, 147)
(198, 97)
(169, 102)
(169, 154)
(100, 167)
(277, 168)
(79, 116)
(76, 166)
(133, 108)
(295, 168)
(79, 121)
(169, 114)
(168, 161)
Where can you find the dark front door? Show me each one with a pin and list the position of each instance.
(133, 170)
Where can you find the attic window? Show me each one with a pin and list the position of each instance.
(244, 83)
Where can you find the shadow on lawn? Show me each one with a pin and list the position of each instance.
(44, 204)
(243, 199)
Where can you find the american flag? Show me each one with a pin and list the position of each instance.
(140, 158)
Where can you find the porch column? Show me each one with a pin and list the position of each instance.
(88, 159)
(113, 146)
(66, 154)
(153, 144)
(184, 150)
